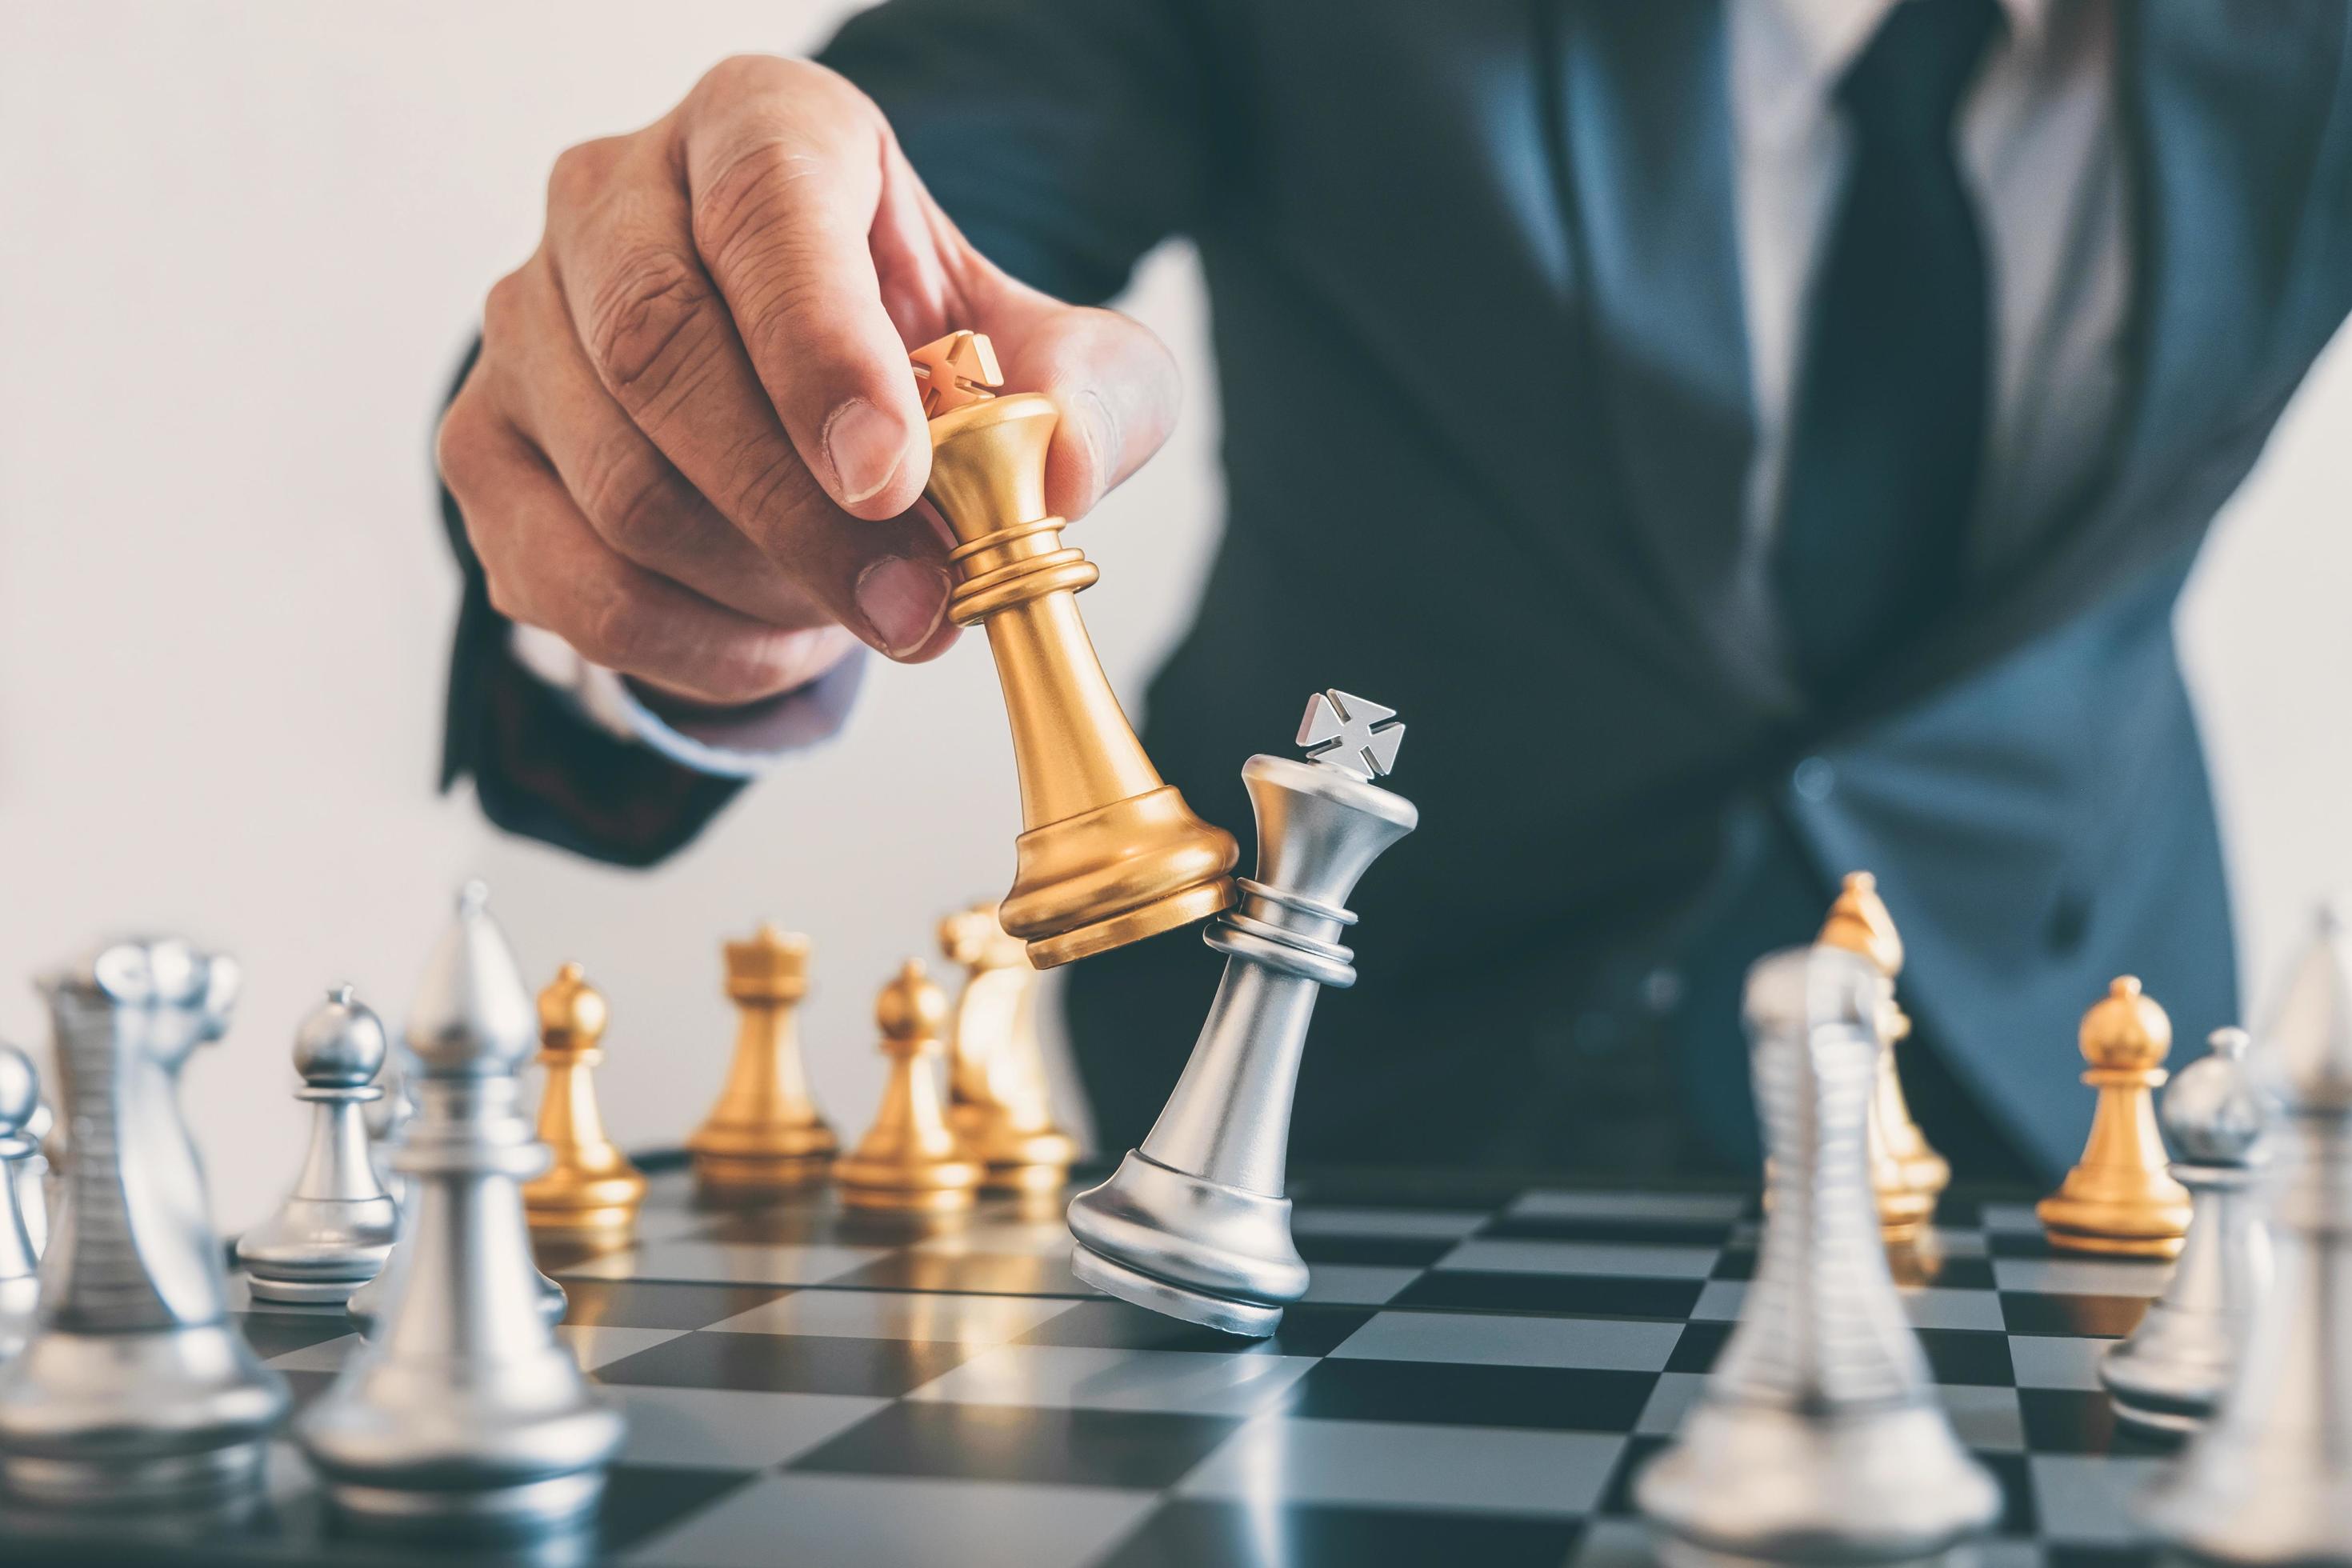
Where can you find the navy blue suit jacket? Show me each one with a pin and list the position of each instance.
(1478, 329)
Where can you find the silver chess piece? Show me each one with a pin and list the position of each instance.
(1194, 1223)
(135, 1388)
(2166, 1376)
(1817, 1437)
(464, 1412)
(20, 1284)
(2269, 1478)
(388, 1117)
(335, 1229)
(30, 1172)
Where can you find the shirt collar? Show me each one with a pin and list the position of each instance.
(1814, 41)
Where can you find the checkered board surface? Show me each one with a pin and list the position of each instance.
(1473, 1379)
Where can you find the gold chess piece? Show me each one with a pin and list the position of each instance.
(1110, 854)
(591, 1191)
(999, 1102)
(2120, 1198)
(765, 1135)
(909, 1161)
(1908, 1175)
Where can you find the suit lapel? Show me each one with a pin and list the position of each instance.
(2222, 107)
(1643, 93)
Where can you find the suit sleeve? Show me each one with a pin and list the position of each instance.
(1067, 138)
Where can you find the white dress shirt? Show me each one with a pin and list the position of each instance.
(2040, 149)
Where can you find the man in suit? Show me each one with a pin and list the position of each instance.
(1748, 439)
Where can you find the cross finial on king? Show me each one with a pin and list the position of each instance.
(1351, 733)
(955, 369)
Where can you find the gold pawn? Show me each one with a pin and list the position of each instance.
(999, 1102)
(2120, 1198)
(1108, 854)
(909, 1161)
(591, 1192)
(1906, 1172)
(765, 1136)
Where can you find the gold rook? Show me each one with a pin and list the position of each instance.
(1110, 854)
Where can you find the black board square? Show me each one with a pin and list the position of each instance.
(1188, 1531)
(1559, 1399)
(1023, 1443)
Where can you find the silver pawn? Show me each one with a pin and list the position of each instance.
(20, 1283)
(31, 1174)
(1194, 1223)
(464, 1412)
(1818, 1437)
(2269, 1478)
(2166, 1376)
(136, 1388)
(333, 1231)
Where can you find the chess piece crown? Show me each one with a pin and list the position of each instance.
(1110, 853)
(1193, 1223)
(589, 1189)
(2119, 1198)
(335, 1229)
(909, 1161)
(764, 1135)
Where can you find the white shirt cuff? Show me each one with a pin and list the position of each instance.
(736, 744)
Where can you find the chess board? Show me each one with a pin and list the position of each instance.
(1473, 1379)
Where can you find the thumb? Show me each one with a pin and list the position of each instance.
(1114, 383)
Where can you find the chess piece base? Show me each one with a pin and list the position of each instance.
(2114, 1229)
(1147, 860)
(611, 1223)
(304, 1293)
(785, 1166)
(1189, 1237)
(1884, 1486)
(2167, 1378)
(563, 1206)
(162, 1481)
(95, 1419)
(1247, 1318)
(534, 1507)
(928, 1188)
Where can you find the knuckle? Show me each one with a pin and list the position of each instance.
(636, 499)
(650, 320)
(613, 627)
(580, 171)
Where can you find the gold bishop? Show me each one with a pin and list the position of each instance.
(1108, 854)
(590, 1191)
(999, 1102)
(1907, 1174)
(909, 1161)
(765, 1135)
(2120, 1198)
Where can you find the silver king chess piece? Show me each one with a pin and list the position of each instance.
(333, 1231)
(2268, 1479)
(30, 1172)
(135, 1388)
(463, 1412)
(20, 1283)
(2166, 1376)
(1817, 1437)
(1195, 1224)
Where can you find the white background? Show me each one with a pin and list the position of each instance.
(240, 246)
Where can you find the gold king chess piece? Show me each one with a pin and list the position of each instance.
(765, 1135)
(2121, 1198)
(1906, 1174)
(1000, 1104)
(909, 1161)
(1110, 854)
(590, 1191)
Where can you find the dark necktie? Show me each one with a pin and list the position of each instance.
(1894, 388)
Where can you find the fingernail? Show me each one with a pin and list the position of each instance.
(864, 445)
(902, 600)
